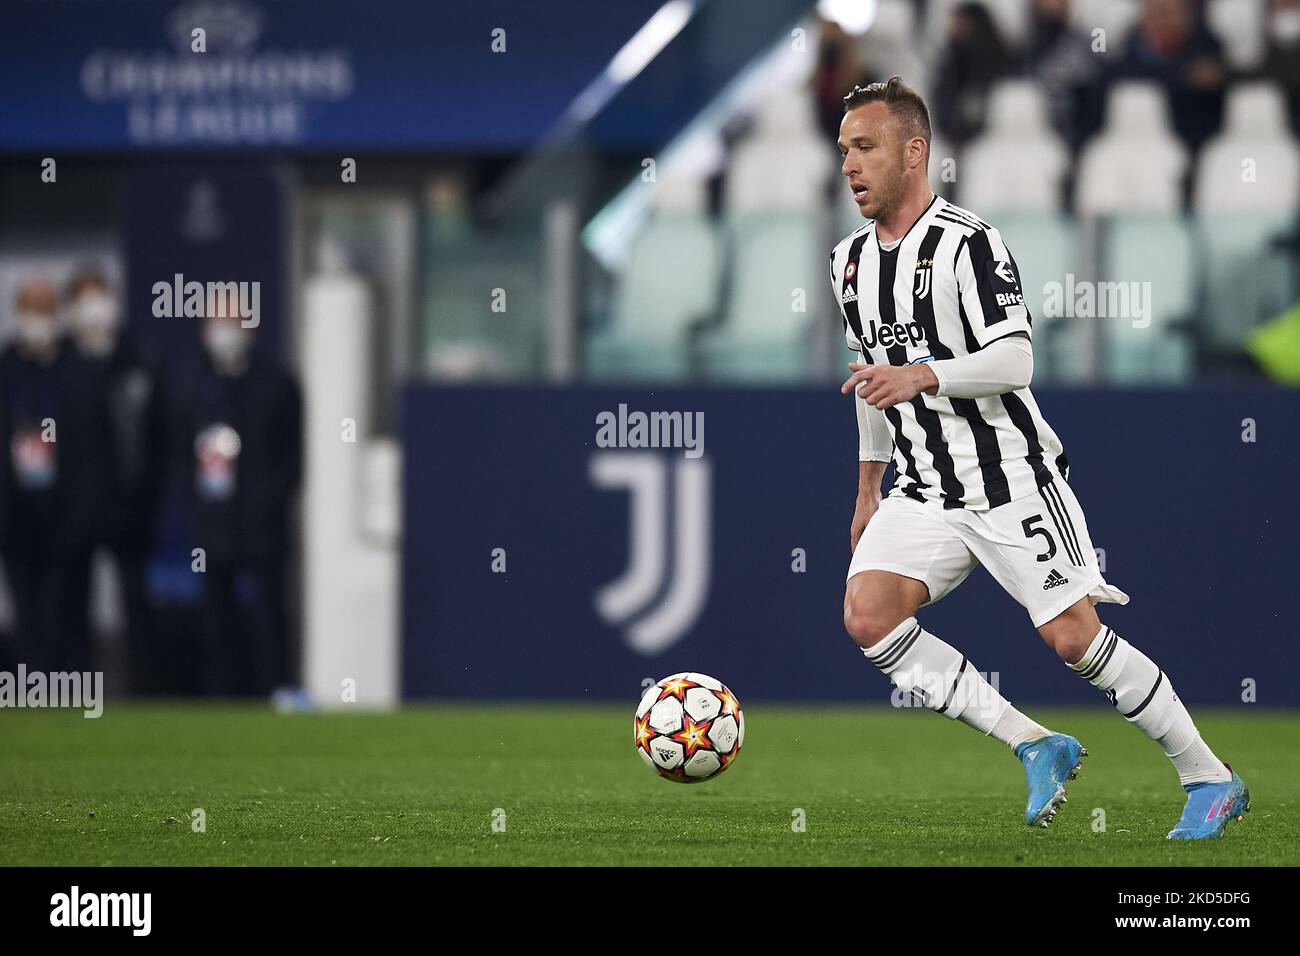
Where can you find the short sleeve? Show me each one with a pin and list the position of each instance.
(988, 283)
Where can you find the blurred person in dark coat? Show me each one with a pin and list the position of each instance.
(241, 427)
(1060, 58)
(130, 457)
(1172, 45)
(49, 499)
(973, 59)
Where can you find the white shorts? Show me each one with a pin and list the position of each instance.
(1037, 547)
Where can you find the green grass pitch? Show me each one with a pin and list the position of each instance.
(419, 787)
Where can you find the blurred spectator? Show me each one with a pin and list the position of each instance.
(972, 60)
(129, 458)
(837, 70)
(1282, 54)
(240, 429)
(1172, 45)
(48, 486)
(1060, 59)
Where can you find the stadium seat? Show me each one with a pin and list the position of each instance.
(1241, 210)
(1150, 256)
(776, 255)
(1135, 164)
(668, 283)
(1253, 165)
(1116, 17)
(785, 164)
(891, 46)
(1019, 161)
(777, 269)
(1239, 24)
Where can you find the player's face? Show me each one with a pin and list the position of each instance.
(873, 150)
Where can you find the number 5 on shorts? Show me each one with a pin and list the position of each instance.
(1030, 531)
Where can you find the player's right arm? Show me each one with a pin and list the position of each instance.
(870, 475)
(875, 447)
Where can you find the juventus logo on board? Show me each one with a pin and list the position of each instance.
(655, 612)
(923, 269)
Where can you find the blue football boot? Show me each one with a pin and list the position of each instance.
(1049, 762)
(1210, 807)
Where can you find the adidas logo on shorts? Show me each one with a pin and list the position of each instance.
(1055, 580)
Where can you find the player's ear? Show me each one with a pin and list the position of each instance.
(916, 152)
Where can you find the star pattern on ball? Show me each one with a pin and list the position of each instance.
(664, 748)
(729, 703)
(677, 687)
(693, 736)
(643, 733)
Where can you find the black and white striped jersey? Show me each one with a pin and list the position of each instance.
(947, 289)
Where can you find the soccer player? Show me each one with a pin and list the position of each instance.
(931, 298)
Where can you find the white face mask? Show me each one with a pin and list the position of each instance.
(95, 312)
(95, 317)
(1285, 25)
(226, 342)
(37, 330)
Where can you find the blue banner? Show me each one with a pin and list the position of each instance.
(325, 74)
(551, 552)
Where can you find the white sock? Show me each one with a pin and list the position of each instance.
(1014, 728)
(1144, 695)
(944, 680)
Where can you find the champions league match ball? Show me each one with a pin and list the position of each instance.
(689, 727)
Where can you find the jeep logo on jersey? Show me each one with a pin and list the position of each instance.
(897, 333)
(923, 269)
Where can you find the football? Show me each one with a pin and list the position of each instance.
(689, 727)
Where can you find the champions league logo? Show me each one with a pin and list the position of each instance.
(216, 87)
(231, 26)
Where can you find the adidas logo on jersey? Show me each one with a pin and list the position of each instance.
(1055, 580)
(850, 295)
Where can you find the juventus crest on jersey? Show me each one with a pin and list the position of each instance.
(947, 289)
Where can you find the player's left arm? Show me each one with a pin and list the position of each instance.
(1004, 365)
